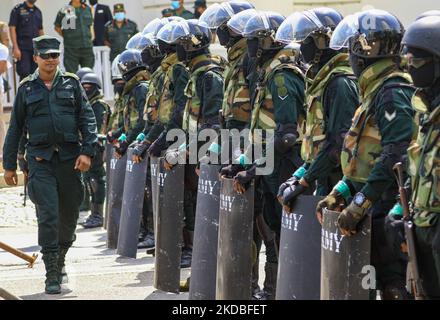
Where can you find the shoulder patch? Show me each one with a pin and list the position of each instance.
(71, 75)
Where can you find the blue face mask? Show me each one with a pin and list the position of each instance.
(120, 16)
(175, 5)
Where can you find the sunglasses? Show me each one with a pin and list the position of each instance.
(417, 62)
(46, 56)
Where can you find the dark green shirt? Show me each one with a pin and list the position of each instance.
(118, 37)
(185, 14)
(340, 101)
(76, 25)
(57, 120)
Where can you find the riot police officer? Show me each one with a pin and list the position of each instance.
(332, 98)
(25, 23)
(379, 136)
(204, 93)
(277, 105)
(95, 177)
(421, 41)
(61, 130)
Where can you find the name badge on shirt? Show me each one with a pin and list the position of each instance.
(100, 11)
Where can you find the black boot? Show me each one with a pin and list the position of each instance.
(52, 277)
(95, 220)
(185, 261)
(148, 242)
(61, 265)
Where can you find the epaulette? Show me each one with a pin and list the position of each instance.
(71, 75)
(28, 78)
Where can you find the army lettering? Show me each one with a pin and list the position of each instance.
(206, 186)
(129, 166)
(226, 202)
(331, 241)
(113, 163)
(161, 178)
(289, 220)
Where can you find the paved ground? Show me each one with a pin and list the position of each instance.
(95, 272)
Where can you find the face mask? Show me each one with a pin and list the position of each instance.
(118, 87)
(175, 5)
(252, 48)
(93, 2)
(165, 48)
(223, 36)
(309, 50)
(120, 16)
(424, 76)
(181, 53)
(91, 92)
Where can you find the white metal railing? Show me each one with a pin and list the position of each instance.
(102, 68)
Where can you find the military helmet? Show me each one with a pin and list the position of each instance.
(152, 46)
(429, 13)
(238, 22)
(83, 71)
(129, 62)
(424, 34)
(92, 78)
(318, 23)
(369, 34)
(137, 42)
(155, 25)
(191, 34)
(219, 14)
(263, 24)
(116, 73)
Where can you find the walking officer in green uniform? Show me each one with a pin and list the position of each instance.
(180, 11)
(331, 96)
(278, 106)
(52, 108)
(95, 177)
(422, 43)
(118, 31)
(381, 131)
(74, 23)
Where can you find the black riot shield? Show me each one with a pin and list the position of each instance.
(132, 203)
(169, 225)
(234, 257)
(117, 172)
(299, 263)
(154, 164)
(346, 273)
(204, 256)
(108, 158)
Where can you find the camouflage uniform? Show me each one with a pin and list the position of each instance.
(382, 128)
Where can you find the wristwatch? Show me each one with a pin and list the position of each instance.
(359, 199)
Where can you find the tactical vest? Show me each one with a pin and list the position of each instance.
(362, 144)
(130, 111)
(263, 109)
(314, 134)
(102, 127)
(236, 104)
(191, 115)
(154, 93)
(424, 163)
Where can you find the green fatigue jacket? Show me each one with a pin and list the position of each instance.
(155, 88)
(118, 37)
(76, 24)
(424, 165)
(205, 94)
(102, 113)
(116, 117)
(134, 95)
(382, 128)
(280, 96)
(60, 119)
(332, 98)
(172, 99)
(185, 14)
(236, 107)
